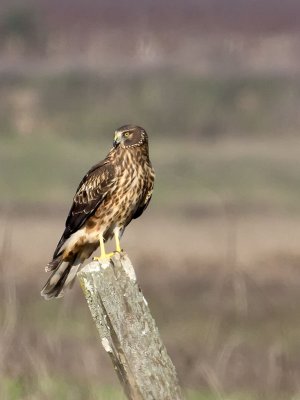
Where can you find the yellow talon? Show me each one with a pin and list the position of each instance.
(103, 254)
(117, 240)
(103, 257)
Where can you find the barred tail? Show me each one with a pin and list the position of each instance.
(62, 276)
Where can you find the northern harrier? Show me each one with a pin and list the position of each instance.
(110, 195)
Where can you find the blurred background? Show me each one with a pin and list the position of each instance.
(217, 86)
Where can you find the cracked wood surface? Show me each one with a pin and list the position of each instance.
(128, 331)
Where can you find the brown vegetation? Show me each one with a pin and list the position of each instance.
(228, 317)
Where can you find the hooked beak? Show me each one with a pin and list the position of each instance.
(117, 139)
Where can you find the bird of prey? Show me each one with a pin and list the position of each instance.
(110, 195)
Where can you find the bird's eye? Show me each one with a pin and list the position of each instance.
(126, 134)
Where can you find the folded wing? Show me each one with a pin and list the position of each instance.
(91, 192)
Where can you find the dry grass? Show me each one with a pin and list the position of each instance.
(224, 296)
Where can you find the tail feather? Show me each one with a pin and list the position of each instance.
(72, 274)
(62, 277)
(53, 265)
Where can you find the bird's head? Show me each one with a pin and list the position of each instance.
(130, 136)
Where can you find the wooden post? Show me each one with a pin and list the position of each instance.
(127, 330)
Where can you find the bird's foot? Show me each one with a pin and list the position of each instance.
(103, 257)
(118, 251)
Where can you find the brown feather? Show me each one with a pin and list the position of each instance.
(110, 195)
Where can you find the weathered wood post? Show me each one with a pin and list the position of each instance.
(127, 330)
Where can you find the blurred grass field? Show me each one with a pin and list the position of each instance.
(254, 173)
(79, 104)
(236, 137)
(227, 311)
(217, 253)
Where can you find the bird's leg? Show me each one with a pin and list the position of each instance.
(117, 239)
(103, 254)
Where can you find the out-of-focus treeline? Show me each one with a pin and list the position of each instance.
(205, 69)
(205, 36)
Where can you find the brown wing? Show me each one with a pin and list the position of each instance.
(90, 193)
